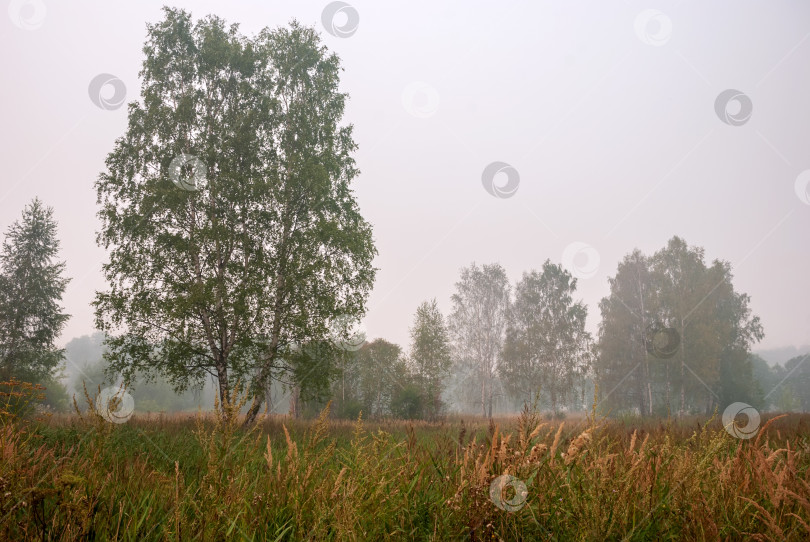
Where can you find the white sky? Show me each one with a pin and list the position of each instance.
(616, 141)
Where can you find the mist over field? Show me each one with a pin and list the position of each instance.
(526, 271)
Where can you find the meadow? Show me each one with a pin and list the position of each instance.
(204, 477)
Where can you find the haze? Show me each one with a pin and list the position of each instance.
(609, 122)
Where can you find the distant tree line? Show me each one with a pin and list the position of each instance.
(674, 338)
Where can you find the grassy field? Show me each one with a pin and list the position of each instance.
(183, 477)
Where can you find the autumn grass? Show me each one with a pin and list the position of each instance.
(176, 477)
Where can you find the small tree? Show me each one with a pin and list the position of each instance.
(380, 374)
(31, 288)
(430, 354)
(799, 381)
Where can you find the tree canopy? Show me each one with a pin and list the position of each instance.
(546, 346)
(226, 208)
(32, 283)
(675, 336)
(430, 354)
(477, 326)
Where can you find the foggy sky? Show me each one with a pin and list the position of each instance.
(605, 111)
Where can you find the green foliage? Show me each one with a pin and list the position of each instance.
(377, 373)
(785, 399)
(178, 478)
(477, 325)
(798, 382)
(546, 346)
(318, 364)
(86, 366)
(84, 357)
(623, 364)
(675, 290)
(430, 357)
(350, 408)
(378, 382)
(765, 377)
(56, 395)
(784, 388)
(31, 288)
(409, 402)
(269, 247)
(737, 380)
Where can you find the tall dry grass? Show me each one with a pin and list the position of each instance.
(204, 478)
